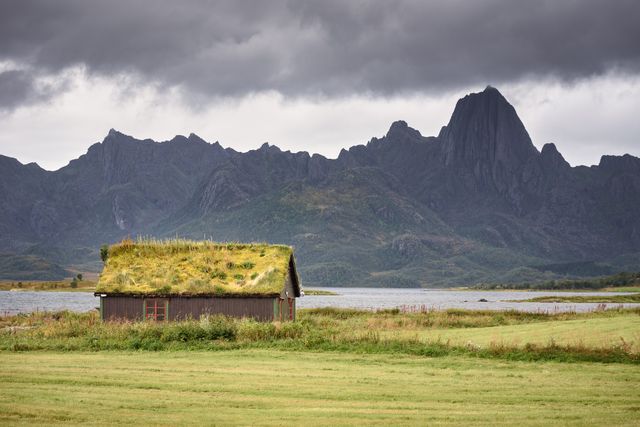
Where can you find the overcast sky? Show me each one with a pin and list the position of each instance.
(312, 75)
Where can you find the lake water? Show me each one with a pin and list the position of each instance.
(363, 298)
(411, 299)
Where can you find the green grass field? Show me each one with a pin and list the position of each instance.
(267, 387)
(604, 332)
(332, 367)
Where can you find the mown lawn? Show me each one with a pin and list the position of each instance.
(621, 330)
(271, 387)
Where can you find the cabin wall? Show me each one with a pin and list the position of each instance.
(288, 291)
(257, 308)
(117, 308)
(284, 309)
(180, 308)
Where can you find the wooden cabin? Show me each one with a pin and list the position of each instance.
(182, 279)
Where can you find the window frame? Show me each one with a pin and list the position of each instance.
(157, 311)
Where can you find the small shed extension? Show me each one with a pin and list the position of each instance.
(180, 279)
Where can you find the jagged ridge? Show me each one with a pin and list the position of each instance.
(477, 202)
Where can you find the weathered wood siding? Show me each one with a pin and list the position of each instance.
(131, 308)
(288, 291)
(258, 308)
(116, 308)
(284, 309)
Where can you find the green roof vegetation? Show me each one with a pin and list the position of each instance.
(186, 267)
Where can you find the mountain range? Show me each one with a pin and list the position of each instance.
(477, 203)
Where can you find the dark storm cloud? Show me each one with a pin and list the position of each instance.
(330, 48)
(16, 87)
(20, 87)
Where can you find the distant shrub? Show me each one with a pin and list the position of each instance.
(238, 276)
(74, 283)
(104, 253)
(231, 265)
(247, 265)
(254, 275)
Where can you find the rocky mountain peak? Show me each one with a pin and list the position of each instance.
(619, 164)
(484, 126)
(400, 131)
(117, 137)
(114, 134)
(195, 138)
(550, 156)
(486, 137)
(398, 126)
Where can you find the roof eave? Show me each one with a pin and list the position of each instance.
(294, 276)
(116, 294)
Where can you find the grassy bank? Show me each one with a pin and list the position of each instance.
(634, 298)
(431, 333)
(622, 289)
(620, 280)
(266, 387)
(319, 292)
(50, 286)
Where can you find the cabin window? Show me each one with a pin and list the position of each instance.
(156, 309)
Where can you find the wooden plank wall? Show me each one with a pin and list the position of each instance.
(258, 308)
(130, 308)
(115, 308)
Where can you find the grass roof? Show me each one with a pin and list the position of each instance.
(186, 267)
